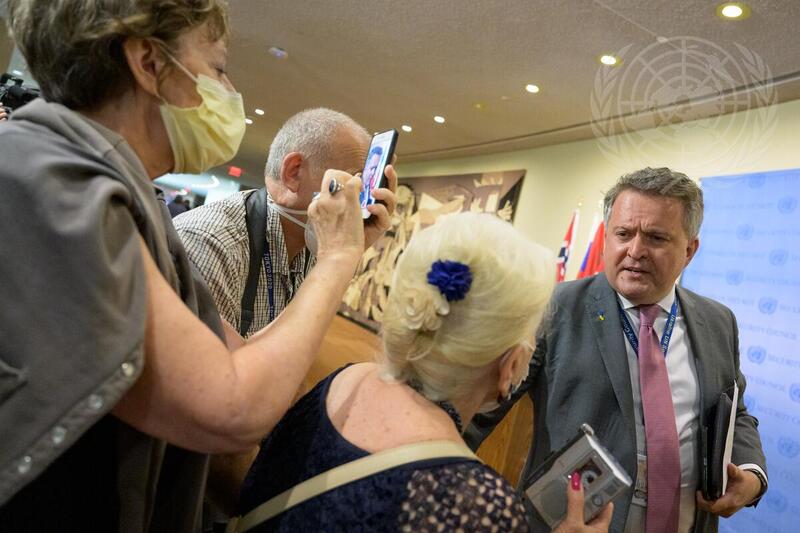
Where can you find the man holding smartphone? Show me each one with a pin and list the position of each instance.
(216, 235)
(218, 241)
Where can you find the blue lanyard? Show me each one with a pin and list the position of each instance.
(270, 281)
(627, 329)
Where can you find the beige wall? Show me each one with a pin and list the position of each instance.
(559, 177)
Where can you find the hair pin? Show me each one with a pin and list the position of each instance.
(453, 279)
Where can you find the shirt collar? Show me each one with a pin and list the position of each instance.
(665, 303)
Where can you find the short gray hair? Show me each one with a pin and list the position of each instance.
(662, 182)
(74, 47)
(312, 133)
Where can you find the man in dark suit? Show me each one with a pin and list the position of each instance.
(647, 390)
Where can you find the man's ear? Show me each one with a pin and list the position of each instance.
(691, 250)
(291, 175)
(145, 61)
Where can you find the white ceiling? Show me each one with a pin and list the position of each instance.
(393, 62)
(388, 63)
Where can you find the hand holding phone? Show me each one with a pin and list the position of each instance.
(380, 153)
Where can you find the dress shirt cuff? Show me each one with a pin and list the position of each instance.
(762, 477)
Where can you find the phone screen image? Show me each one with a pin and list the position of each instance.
(380, 152)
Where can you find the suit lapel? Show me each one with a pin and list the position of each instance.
(603, 314)
(700, 344)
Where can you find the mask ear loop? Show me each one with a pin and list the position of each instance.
(287, 210)
(284, 212)
(215, 85)
(175, 62)
(179, 64)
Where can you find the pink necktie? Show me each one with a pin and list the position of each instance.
(663, 459)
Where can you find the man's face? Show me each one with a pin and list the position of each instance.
(646, 246)
(350, 150)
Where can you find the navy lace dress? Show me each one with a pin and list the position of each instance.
(436, 495)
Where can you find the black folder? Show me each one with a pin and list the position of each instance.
(714, 436)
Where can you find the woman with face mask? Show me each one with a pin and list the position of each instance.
(456, 335)
(114, 380)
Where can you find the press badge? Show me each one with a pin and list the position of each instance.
(640, 490)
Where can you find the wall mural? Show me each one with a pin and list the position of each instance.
(421, 201)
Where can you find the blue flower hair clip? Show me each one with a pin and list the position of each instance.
(453, 279)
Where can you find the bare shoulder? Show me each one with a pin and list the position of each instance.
(375, 414)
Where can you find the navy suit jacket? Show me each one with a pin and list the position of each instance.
(579, 373)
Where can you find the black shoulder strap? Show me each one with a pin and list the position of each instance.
(256, 218)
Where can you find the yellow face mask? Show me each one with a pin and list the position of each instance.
(208, 135)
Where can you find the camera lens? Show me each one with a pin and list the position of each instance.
(589, 474)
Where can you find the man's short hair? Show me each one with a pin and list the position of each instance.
(313, 134)
(662, 182)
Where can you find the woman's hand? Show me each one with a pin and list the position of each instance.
(574, 521)
(337, 219)
(381, 219)
(3, 115)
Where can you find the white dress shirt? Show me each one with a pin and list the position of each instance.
(682, 375)
(683, 381)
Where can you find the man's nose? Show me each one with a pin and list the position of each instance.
(636, 247)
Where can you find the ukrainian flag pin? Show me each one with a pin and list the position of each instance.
(601, 316)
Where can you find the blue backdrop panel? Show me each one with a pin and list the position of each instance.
(749, 259)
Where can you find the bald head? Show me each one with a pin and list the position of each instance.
(322, 136)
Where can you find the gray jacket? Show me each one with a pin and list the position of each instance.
(579, 373)
(75, 201)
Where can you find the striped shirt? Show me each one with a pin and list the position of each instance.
(215, 237)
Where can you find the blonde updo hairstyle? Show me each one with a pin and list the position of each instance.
(444, 347)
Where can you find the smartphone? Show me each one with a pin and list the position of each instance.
(380, 153)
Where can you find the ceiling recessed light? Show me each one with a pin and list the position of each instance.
(248, 121)
(278, 52)
(438, 119)
(406, 128)
(259, 111)
(504, 98)
(733, 11)
(479, 106)
(609, 60)
(532, 88)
